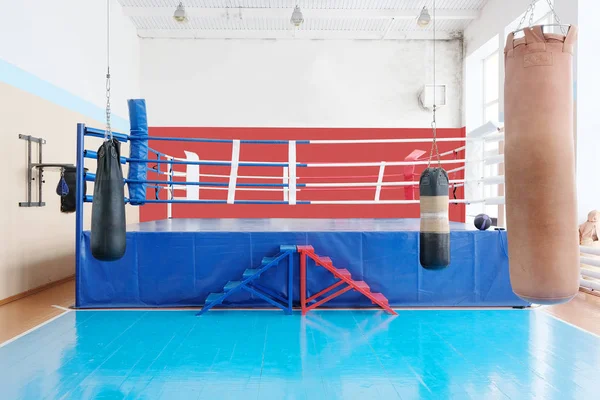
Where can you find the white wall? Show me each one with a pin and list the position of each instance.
(297, 83)
(52, 76)
(588, 124)
(63, 42)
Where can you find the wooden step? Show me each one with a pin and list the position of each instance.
(343, 273)
(362, 285)
(213, 297)
(381, 298)
(249, 272)
(231, 285)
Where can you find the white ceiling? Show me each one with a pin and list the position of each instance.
(323, 19)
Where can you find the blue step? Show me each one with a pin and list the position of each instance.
(249, 272)
(287, 247)
(267, 260)
(213, 297)
(231, 284)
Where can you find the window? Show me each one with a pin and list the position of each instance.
(491, 83)
(545, 20)
(482, 104)
(491, 111)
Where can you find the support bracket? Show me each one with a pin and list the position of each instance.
(39, 173)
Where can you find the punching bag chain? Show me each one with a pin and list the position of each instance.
(434, 145)
(556, 19)
(108, 133)
(530, 11)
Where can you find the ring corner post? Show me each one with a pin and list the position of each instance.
(138, 149)
(303, 304)
(291, 282)
(79, 208)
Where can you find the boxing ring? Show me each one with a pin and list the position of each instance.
(179, 262)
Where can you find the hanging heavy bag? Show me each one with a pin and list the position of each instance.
(108, 206)
(541, 203)
(434, 237)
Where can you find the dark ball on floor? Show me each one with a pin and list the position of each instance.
(483, 222)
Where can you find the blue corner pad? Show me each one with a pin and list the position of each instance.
(138, 149)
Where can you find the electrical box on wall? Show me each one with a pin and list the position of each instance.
(429, 92)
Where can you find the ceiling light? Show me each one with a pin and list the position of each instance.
(424, 18)
(297, 17)
(179, 14)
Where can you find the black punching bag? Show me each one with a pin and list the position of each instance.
(434, 237)
(108, 207)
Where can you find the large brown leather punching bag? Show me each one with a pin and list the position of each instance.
(541, 202)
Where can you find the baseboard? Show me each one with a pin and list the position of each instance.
(38, 289)
(589, 291)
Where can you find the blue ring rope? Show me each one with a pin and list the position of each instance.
(89, 199)
(90, 177)
(207, 140)
(94, 132)
(94, 155)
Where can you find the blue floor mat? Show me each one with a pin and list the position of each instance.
(457, 354)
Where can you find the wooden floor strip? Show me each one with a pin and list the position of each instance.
(21, 315)
(38, 289)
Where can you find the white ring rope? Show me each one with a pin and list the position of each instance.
(292, 183)
(391, 141)
(349, 185)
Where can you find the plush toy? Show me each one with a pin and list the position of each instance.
(589, 230)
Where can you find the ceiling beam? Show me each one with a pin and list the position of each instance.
(288, 34)
(197, 12)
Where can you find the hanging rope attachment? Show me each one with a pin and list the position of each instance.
(531, 11)
(434, 146)
(108, 132)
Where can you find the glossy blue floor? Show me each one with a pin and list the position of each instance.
(439, 354)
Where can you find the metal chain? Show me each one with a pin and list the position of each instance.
(562, 28)
(433, 122)
(434, 145)
(532, 13)
(108, 132)
(529, 9)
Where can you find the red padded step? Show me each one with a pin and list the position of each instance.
(325, 260)
(340, 273)
(343, 272)
(307, 248)
(381, 298)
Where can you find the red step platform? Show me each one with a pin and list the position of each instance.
(345, 278)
